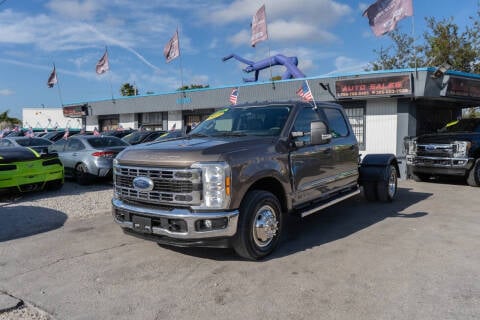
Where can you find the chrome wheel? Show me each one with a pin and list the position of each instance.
(392, 182)
(265, 226)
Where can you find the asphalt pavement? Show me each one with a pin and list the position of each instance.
(415, 258)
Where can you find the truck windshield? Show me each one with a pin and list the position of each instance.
(239, 121)
(462, 125)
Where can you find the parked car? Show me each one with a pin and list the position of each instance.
(142, 136)
(36, 143)
(57, 135)
(22, 170)
(117, 133)
(172, 134)
(86, 156)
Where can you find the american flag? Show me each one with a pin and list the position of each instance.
(65, 135)
(234, 96)
(174, 126)
(304, 92)
(95, 132)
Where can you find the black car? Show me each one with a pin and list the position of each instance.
(143, 136)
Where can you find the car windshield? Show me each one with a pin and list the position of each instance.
(108, 141)
(462, 125)
(239, 121)
(29, 142)
(135, 137)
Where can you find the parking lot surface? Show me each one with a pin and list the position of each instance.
(415, 258)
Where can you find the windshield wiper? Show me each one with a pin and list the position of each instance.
(201, 135)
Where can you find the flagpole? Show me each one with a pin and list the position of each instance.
(313, 98)
(414, 46)
(110, 76)
(58, 86)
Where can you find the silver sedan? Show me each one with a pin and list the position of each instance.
(86, 157)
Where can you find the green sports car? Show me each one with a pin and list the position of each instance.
(23, 169)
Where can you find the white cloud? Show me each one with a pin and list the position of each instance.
(346, 64)
(6, 92)
(77, 9)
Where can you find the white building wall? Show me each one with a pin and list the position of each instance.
(381, 126)
(41, 118)
(127, 120)
(174, 118)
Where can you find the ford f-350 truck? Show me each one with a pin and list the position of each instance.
(453, 151)
(232, 181)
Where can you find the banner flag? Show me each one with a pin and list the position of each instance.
(259, 27)
(172, 48)
(52, 80)
(384, 15)
(234, 96)
(102, 64)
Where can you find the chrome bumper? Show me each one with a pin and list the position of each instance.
(440, 162)
(185, 215)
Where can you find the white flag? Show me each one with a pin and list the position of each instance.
(52, 80)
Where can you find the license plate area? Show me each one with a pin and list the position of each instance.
(142, 224)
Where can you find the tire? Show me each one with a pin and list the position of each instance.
(370, 191)
(81, 174)
(387, 189)
(55, 185)
(260, 225)
(473, 178)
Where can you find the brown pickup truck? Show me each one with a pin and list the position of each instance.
(232, 181)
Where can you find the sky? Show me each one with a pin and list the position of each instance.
(327, 37)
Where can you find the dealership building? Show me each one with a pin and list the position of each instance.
(383, 106)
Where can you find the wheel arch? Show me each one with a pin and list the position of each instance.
(274, 186)
(372, 167)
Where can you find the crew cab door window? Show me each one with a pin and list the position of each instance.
(302, 124)
(336, 121)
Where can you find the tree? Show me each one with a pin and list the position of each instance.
(442, 42)
(6, 121)
(128, 90)
(193, 86)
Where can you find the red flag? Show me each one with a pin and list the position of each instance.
(172, 48)
(259, 27)
(95, 132)
(65, 135)
(304, 92)
(234, 96)
(174, 126)
(102, 64)
(384, 15)
(52, 80)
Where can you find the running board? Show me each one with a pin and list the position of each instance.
(328, 204)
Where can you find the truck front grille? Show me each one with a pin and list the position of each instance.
(170, 186)
(435, 150)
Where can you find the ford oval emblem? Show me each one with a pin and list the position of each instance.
(143, 184)
(430, 147)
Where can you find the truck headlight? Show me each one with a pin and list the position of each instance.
(216, 178)
(460, 149)
(412, 147)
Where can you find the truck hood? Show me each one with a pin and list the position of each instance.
(184, 152)
(446, 138)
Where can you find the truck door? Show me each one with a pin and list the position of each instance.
(311, 165)
(344, 148)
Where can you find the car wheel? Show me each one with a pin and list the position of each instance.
(260, 225)
(81, 174)
(370, 191)
(473, 178)
(387, 189)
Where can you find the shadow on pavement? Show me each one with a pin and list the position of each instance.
(24, 221)
(331, 224)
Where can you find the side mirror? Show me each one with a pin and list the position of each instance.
(319, 132)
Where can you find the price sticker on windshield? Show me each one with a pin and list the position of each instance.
(217, 114)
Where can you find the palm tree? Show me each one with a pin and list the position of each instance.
(6, 121)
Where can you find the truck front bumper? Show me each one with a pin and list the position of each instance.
(440, 165)
(179, 223)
